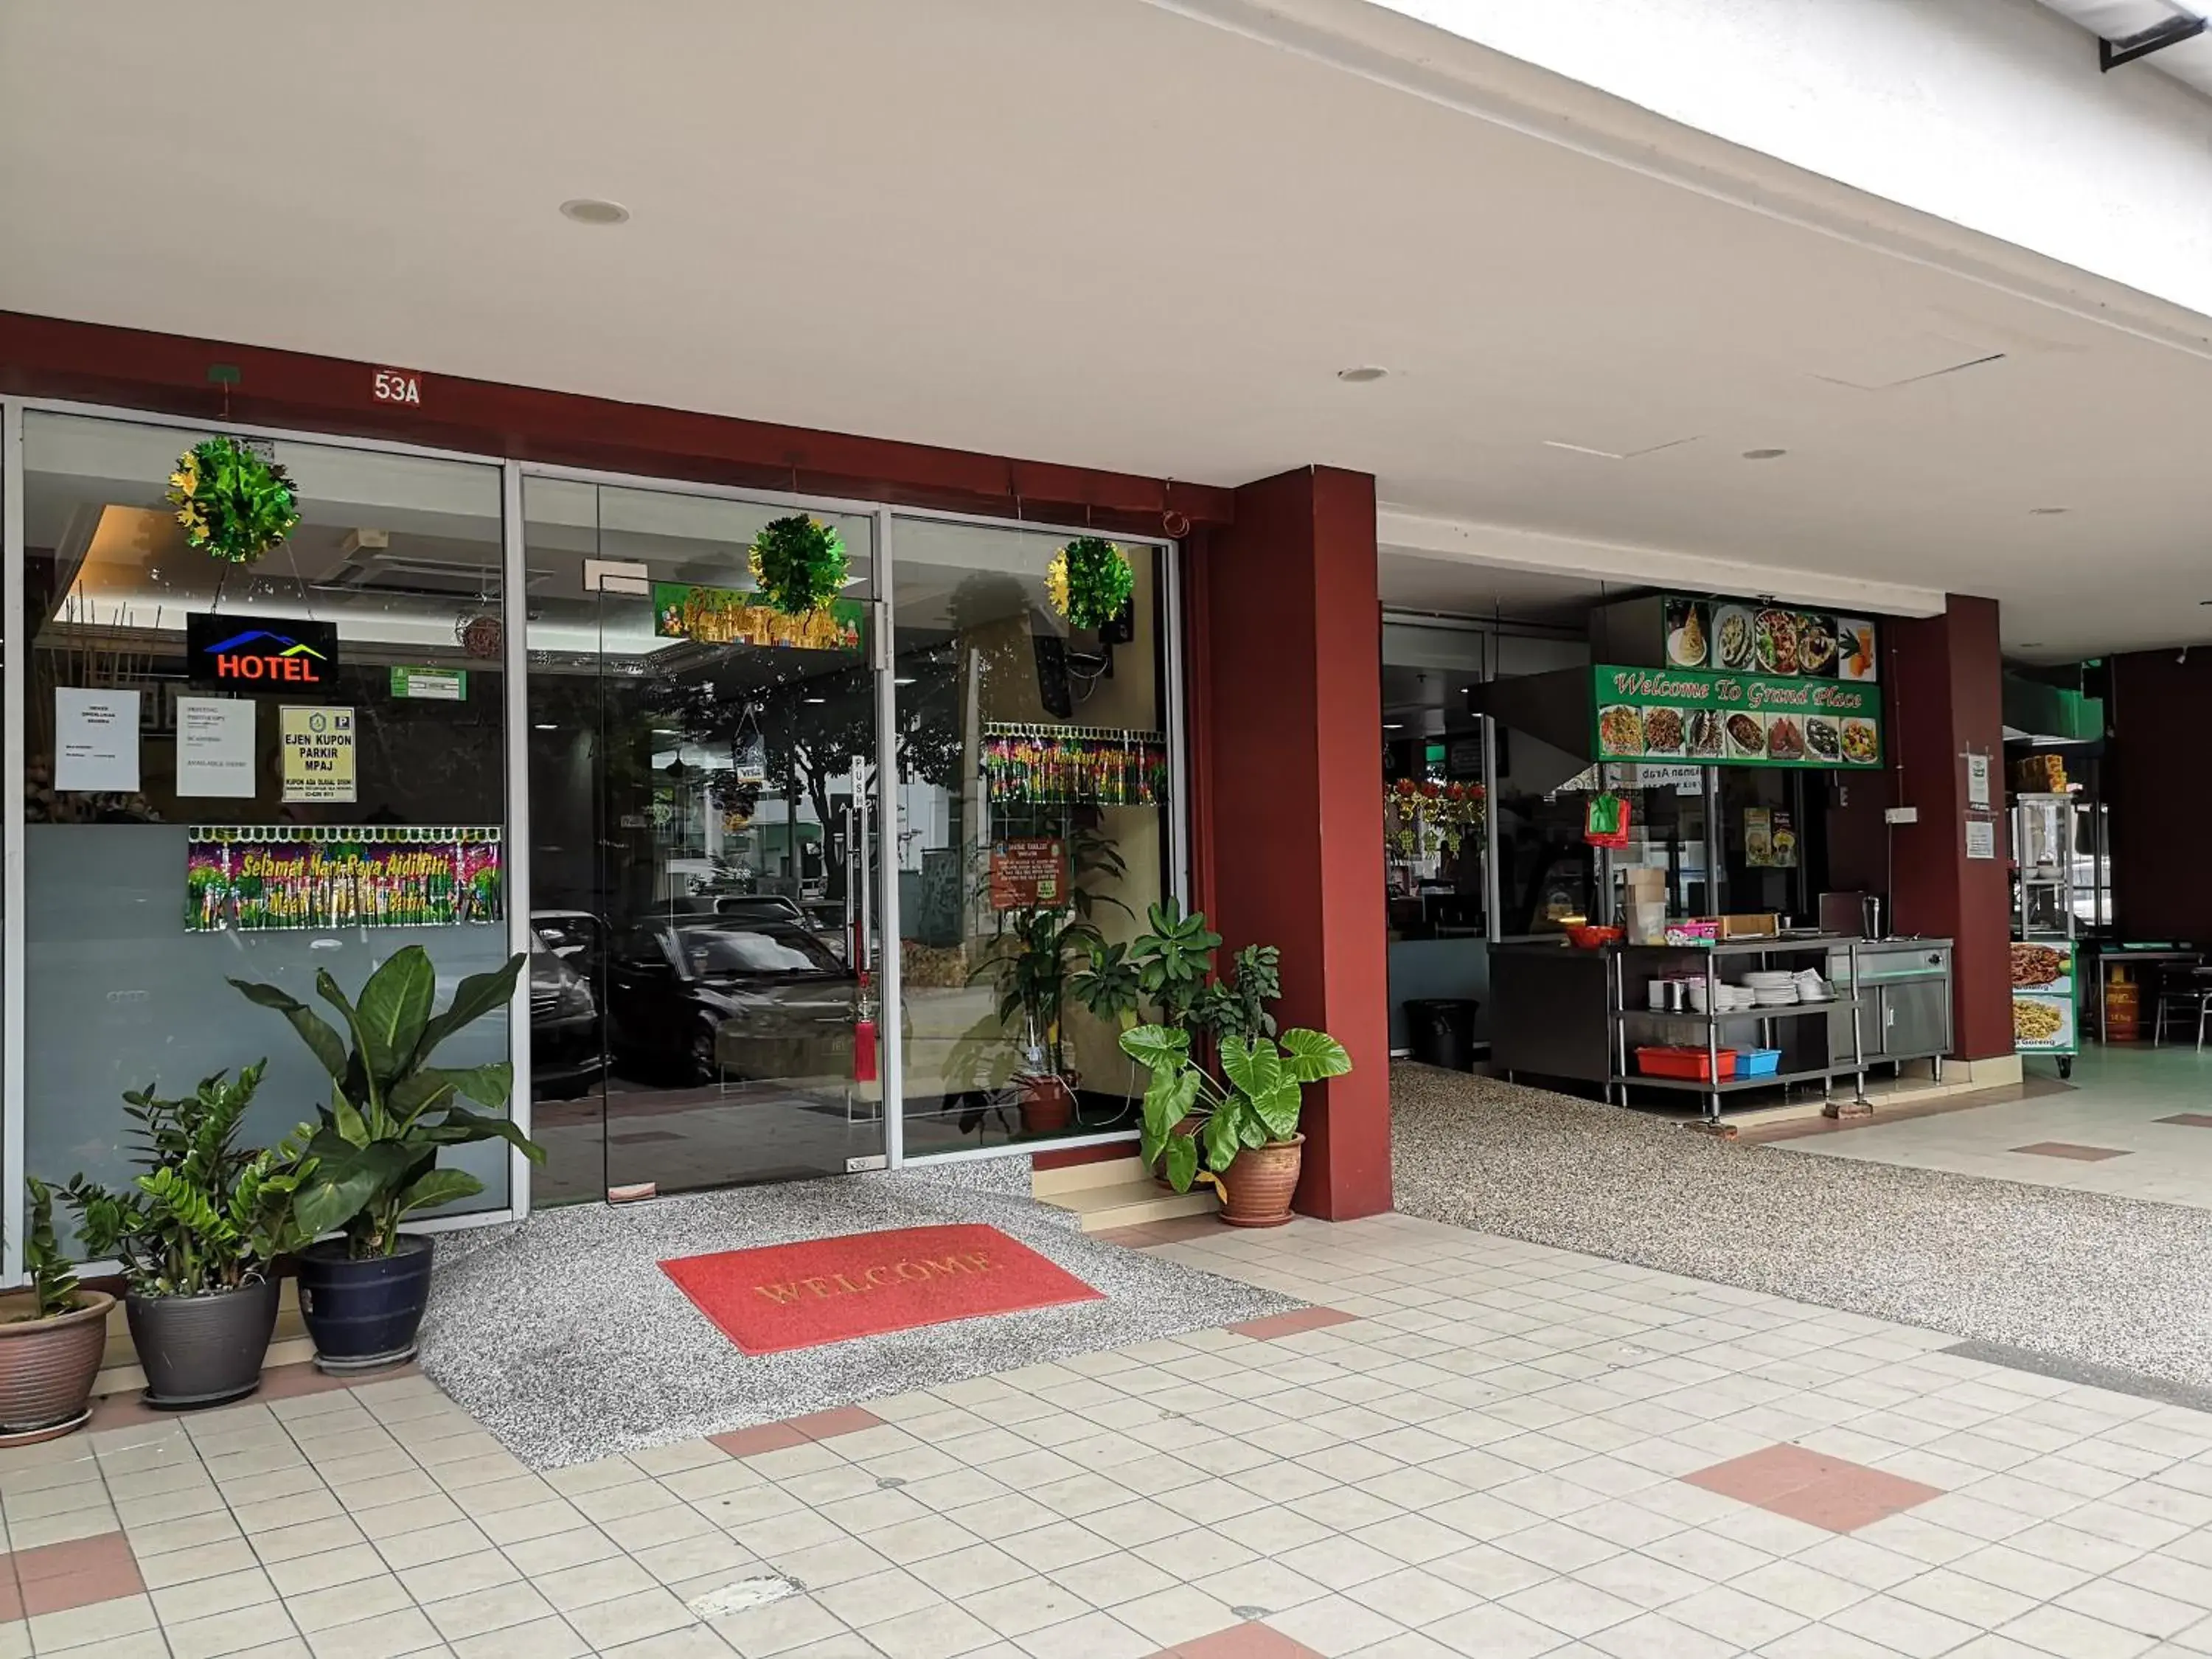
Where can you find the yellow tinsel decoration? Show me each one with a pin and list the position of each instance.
(1055, 582)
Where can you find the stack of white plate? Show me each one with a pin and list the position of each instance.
(1775, 996)
(1769, 979)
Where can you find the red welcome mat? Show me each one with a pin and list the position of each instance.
(832, 1289)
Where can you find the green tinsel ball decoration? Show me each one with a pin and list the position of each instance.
(799, 564)
(1089, 581)
(234, 504)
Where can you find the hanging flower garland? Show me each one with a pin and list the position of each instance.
(1424, 818)
(233, 505)
(799, 564)
(1089, 581)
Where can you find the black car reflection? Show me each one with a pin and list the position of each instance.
(565, 1054)
(717, 998)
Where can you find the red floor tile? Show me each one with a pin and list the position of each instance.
(55, 1577)
(2067, 1149)
(1805, 1486)
(1248, 1641)
(827, 1425)
(768, 1438)
(1290, 1324)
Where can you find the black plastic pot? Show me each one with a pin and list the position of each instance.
(202, 1350)
(363, 1315)
(1442, 1031)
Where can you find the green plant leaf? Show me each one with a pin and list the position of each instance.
(462, 1127)
(473, 998)
(1276, 1110)
(1158, 1045)
(329, 1049)
(1314, 1054)
(1255, 1068)
(343, 1185)
(438, 1187)
(1222, 1136)
(393, 1009)
(432, 1085)
(1182, 1162)
(1168, 1101)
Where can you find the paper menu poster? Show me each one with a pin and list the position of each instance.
(215, 747)
(319, 755)
(95, 740)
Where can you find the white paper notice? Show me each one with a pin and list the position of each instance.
(1981, 838)
(215, 747)
(96, 740)
(1977, 780)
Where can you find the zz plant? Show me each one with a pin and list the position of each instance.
(205, 1215)
(53, 1278)
(1259, 1103)
(390, 1111)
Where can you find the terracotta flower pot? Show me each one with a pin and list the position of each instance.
(47, 1366)
(1048, 1105)
(1258, 1184)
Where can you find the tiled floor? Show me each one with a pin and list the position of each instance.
(2137, 1124)
(1503, 1451)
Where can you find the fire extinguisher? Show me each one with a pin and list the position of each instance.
(864, 1033)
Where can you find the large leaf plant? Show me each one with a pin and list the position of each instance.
(1256, 1101)
(206, 1215)
(390, 1111)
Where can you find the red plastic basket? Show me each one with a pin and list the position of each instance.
(1693, 1063)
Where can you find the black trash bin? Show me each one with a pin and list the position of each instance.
(1441, 1029)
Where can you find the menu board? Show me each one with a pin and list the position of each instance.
(1741, 720)
(2042, 999)
(1739, 637)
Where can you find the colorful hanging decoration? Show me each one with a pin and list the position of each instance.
(263, 878)
(1424, 817)
(1093, 766)
(1088, 580)
(234, 504)
(479, 635)
(799, 564)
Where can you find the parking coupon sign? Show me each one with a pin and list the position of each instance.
(318, 753)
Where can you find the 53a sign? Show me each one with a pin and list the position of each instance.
(396, 386)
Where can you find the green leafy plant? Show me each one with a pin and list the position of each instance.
(233, 505)
(1259, 1103)
(1088, 580)
(390, 1111)
(206, 1215)
(53, 1277)
(799, 563)
(1041, 949)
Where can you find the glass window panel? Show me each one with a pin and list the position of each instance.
(402, 555)
(985, 667)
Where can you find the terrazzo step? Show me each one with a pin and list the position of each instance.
(1131, 1204)
(1046, 1185)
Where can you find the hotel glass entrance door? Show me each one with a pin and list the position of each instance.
(703, 813)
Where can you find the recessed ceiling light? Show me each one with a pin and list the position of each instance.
(547, 726)
(2046, 511)
(1361, 375)
(590, 210)
(818, 700)
(904, 679)
(1393, 726)
(1764, 455)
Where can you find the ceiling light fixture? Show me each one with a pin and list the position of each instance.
(1393, 726)
(1584, 449)
(2046, 511)
(1764, 455)
(591, 210)
(1361, 375)
(818, 700)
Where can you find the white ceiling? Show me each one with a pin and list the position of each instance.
(1102, 232)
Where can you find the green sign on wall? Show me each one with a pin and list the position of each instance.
(1738, 719)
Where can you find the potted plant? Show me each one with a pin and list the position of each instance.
(1248, 1143)
(375, 1151)
(52, 1333)
(196, 1234)
(1040, 948)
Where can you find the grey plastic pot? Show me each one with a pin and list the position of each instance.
(363, 1315)
(202, 1350)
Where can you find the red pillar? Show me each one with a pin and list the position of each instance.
(1286, 756)
(1946, 701)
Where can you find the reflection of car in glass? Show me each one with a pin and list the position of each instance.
(566, 1055)
(724, 997)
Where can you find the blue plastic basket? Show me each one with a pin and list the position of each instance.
(1758, 1062)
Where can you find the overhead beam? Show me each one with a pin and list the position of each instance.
(2111, 54)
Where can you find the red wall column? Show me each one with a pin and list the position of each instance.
(1946, 701)
(1287, 750)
